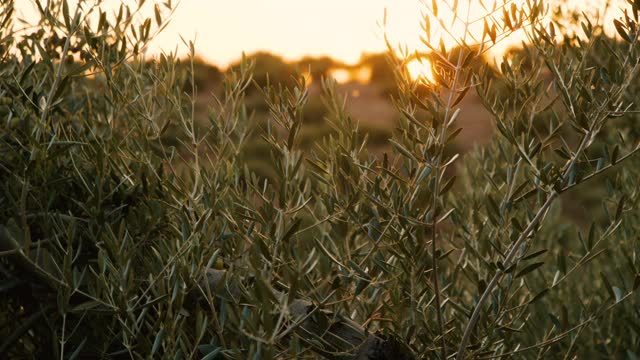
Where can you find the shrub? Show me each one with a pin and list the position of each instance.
(113, 244)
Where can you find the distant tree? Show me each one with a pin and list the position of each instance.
(269, 69)
(319, 67)
(381, 70)
(205, 73)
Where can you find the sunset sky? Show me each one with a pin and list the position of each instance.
(343, 29)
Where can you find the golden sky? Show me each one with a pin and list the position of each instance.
(343, 29)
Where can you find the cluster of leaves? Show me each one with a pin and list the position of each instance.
(107, 232)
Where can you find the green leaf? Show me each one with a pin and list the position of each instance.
(556, 322)
(492, 33)
(617, 293)
(335, 284)
(448, 185)
(556, 278)
(516, 224)
(453, 135)
(535, 150)
(328, 254)
(359, 270)
(589, 258)
(264, 249)
(614, 154)
(402, 149)
(620, 28)
(292, 134)
(426, 172)
(604, 76)
(87, 305)
(592, 236)
(27, 71)
(620, 207)
(212, 354)
(529, 269)
(158, 341)
(78, 349)
(361, 284)
(65, 14)
(292, 230)
(374, 230)
(461, 95)
(485, 29)
(539, 296)
(156, 11)
(607, 285)
(212, 259)
(535, 254)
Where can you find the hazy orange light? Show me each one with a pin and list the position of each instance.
(308, 78)
(341, 76)
(225, 29)
(362, 74)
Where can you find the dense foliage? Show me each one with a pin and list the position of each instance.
(110, 229)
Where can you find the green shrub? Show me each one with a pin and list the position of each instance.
(115, 245)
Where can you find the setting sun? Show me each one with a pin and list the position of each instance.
(421, 70)
(342, 76)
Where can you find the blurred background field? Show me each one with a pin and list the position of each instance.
(368, 88)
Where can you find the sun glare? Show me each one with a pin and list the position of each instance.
(341, 76)
(421, 70)
(360, 74)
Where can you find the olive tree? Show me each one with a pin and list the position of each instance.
(130, 228)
